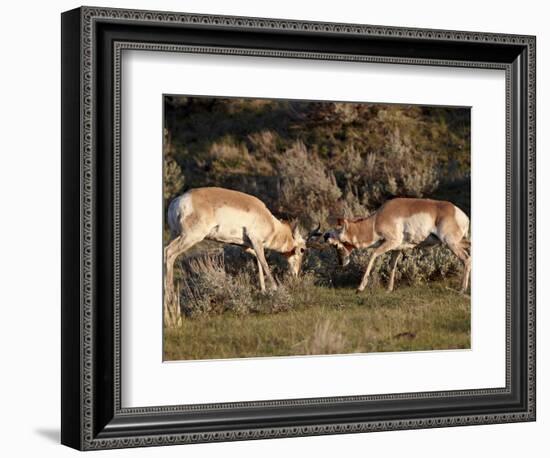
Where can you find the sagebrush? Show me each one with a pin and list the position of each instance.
(224, 279)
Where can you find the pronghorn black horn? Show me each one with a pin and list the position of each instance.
(315, 232)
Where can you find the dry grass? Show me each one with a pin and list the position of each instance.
(325, 340)
(326, 320)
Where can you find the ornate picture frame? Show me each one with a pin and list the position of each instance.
(92, 42)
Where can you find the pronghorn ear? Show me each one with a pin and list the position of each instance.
(342, 222)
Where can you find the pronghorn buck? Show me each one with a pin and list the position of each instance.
(231, 217)
(401, 224)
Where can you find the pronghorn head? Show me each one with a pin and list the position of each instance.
(338, 239)
(296, 255)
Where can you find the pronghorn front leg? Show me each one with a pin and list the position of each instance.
(386, 246)
(260, 269)
(259, 252)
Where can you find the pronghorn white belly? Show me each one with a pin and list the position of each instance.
(417, 228)
(235, 226)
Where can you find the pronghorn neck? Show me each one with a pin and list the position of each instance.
(360, 233)
(281, 239)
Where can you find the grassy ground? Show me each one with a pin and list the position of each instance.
(332, 321)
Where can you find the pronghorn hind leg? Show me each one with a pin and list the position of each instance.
(260, 269)
(176, 247)
(463, 255)
(395, 257)
(169, 259)
(387, 245)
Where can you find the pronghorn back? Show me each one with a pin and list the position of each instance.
(419, 217)
(209, 201)
(223, 214)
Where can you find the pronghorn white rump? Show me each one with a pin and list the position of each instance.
(400, 224)
(232, 217)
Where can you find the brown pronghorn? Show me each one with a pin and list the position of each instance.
(232, 217)
(402, 224)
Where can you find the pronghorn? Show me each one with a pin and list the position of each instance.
(231, 217)
(401, 224)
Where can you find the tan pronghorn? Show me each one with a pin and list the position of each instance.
(401, 224)
(232, 217)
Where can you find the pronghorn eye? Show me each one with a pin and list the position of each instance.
(302, 250)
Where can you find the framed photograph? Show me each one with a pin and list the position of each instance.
(276, 228)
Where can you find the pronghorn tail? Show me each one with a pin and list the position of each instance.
(174, 216)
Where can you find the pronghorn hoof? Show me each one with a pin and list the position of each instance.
(358, 291)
